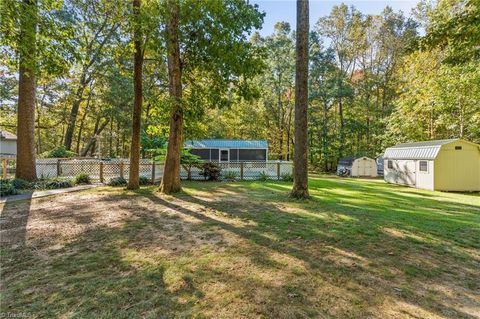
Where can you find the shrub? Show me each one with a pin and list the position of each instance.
(210, 171)
(263, 176)
(19, 183)
(82, 179)
(56, 183)
(144, 180)
(117, 181)
(287, 177)
(6, 188)
(189, 161)
(59, 152)
(229, 175)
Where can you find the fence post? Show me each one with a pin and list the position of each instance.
(121, 168)
(59, 169)
(101, 172)
(278, 170)
(153, 172)
(241, 171)
(4, 168)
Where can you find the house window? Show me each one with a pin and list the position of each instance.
(458, 148)
(423, 166)
(390, 164)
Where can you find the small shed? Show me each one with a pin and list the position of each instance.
(8, 144)
(229, 150)
(445, 165)
(357, 167)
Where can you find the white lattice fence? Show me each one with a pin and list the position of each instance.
(246, 170)
(105, 170)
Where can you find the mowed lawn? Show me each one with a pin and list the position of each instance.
(358, 249)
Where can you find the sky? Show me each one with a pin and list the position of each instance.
(285, 10)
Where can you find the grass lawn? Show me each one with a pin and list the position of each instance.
(358, 249)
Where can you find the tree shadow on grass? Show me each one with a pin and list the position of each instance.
(115, 271)
(368, 241)
(99, 275)
(13, 221)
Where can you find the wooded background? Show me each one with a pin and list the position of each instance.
(374, 80)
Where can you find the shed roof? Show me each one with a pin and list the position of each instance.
(4, 135)
(346, 161)
(417, 150)
(226, 143)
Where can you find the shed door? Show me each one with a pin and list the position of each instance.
(406, 172)
(364, 167)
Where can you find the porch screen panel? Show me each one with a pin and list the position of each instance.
(234, 155)
(204, 153)
(252, 155)
(214, 154)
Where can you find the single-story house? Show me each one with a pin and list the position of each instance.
(357, 167)
(224, 150)
(8, 144)
(445, 165)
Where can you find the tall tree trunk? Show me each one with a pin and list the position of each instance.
(91, 144)
(133, 177)
(289, 130)
(171, 174)
(74, 112)
(300, 166)
(82, 124)
(25, 167)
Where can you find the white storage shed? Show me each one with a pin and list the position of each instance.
(446, 165)
(357, 167)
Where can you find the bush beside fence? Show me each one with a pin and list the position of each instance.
(104, 170)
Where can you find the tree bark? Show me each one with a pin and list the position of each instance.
(171, 174)
(133, 177)
(300, 166)
(82, 124)
(74, 112)
(25, 167)
(98, 129)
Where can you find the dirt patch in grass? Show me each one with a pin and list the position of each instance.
(243, 250)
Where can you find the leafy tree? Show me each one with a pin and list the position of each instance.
(453, 27)
(208, 45)
(189, 161)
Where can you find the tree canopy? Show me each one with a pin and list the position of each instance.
(374, 80)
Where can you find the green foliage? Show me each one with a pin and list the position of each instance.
(151, 143)
(437, 100)
(263, 176)
(287, 177)
(6, 188)
(144, 180)
(19, 183)
(188, 161)
(210, 171)
(83, 179)
(59, 152)
(117, 181)
(229, 175)
(454, 27)
(57, 183)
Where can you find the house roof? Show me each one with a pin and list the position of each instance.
(226, 143)
(417, 150)
(4, 135)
